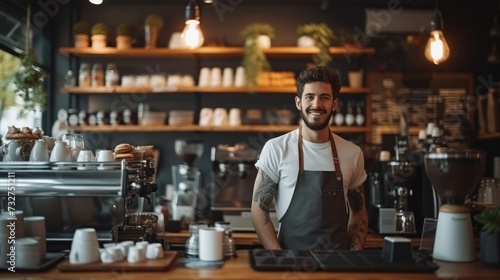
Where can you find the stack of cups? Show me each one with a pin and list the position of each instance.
(239, 79)
(227, 77)
(34, 227)
(215, 77)
(204, 79)
(28, 252)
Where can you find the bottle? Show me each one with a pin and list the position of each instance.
(69, 79)
(349, 116)
(97, 75)
(112, 75)
(360, 118)
(84, 75)
(339, 116)
(229, 246)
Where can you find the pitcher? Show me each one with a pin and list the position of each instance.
(60, 152)
(39, 152)
(14, 150)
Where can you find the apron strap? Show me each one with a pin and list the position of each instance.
(338, 173)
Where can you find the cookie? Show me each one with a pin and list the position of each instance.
(14, 136)
(126, 156)
(124, 149)
(148, 151)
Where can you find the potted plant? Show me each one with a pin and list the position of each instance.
(124, 36)
(81, 31)
(99, 34)
(319, 35)
(28, 77)
(490, 236)
(152, 25)
(257, 36)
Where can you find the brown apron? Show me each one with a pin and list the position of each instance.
(317, 216)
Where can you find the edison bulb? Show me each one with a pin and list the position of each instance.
(192, 35)
(437, 50)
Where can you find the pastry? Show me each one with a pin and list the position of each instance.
(124, 149)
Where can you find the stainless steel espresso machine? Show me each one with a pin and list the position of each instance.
(233, 178)
(106, 200)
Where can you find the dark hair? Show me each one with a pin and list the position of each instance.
(318, 74)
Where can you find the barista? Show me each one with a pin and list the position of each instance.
(314, 176)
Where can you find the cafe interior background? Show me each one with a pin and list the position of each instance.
(469, 28)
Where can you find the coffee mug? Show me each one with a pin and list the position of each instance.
(154, 251)
(27, 252)
(235, 116)
(84, 247)
(40, 151)
(206, 116)
(220, 117)
(105, 155)
(85, 156)
(60, 152)
(136, 254)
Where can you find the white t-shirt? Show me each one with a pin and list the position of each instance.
(280, 160)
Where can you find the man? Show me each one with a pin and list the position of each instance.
(314, 177)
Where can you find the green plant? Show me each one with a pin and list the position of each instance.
(99, 29)
(28, 78)
(254, 59)
(490, 219)
(322, 36)
(81, 27)
(125, 29)
(256, 29)
(154, 20)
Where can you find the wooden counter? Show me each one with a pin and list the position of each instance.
(239, 268)
(251, 239)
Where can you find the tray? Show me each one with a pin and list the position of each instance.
(50, 260)
(149, 265)
(335, 261)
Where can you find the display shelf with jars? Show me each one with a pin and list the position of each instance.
(277, 83)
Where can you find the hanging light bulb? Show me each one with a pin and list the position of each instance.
(96, 2)
(437, 49)
(192, 35)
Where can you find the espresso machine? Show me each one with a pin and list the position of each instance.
(233, 178)
(187, 181)
(69, 199)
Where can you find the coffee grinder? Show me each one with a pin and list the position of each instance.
(187, 180)
(454, 173)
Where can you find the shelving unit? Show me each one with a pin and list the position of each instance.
(211, 52)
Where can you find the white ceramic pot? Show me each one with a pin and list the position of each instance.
(81, 41)
(305, 42)
(123, 42)
(98, 41)
(263, 41)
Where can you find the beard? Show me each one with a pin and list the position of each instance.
(315, 125)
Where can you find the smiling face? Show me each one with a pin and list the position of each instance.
(316, 105)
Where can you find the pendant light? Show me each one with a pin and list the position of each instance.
(192, 35)
(96, 2)
(437, 50)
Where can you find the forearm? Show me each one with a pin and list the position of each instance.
(357, 228)
(264, 228)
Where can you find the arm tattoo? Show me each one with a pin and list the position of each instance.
(265, 193)
(355, 200)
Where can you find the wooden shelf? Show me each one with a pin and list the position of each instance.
(197, 128)
(208, 51)
(195, 89)
(487, 136)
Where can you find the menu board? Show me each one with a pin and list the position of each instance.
(399, 100)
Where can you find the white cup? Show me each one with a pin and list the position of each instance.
(239, 78)
(158, 80)
(111, 254)
(60, 152)
(234, 116)
(39, 152)
(125, 246)
(142, 81)
(215, 77)
(34, 227)
(227, 77)
(136, 254)
(105, 155)
(211, 244)
(174, 80)
(187, 81)
(355, 78)
(206, 116)
(128, 81)
(84, 247)
(220, 117)
(204, 79)
(27, 252)
(85, 156)
(154, 251)
(142, 244)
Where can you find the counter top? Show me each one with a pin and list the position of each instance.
(239, 268)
